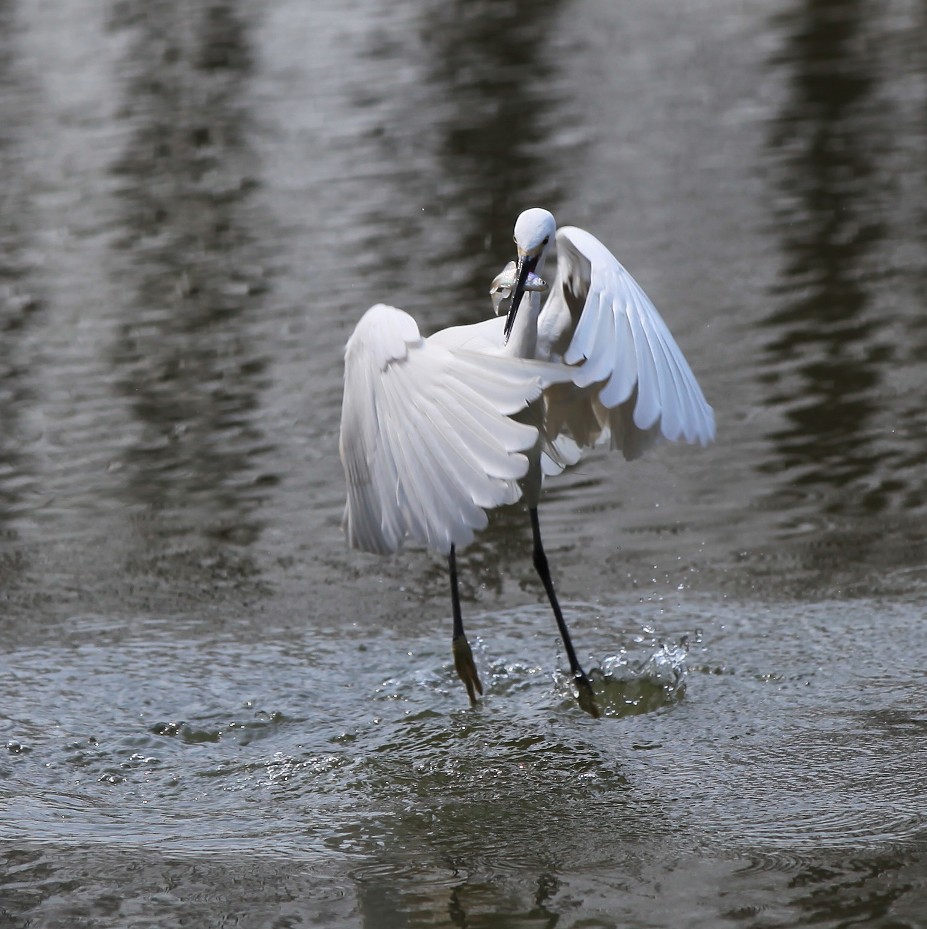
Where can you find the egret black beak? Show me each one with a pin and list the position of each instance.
(526, 266)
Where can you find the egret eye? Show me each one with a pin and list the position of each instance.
(546, 240)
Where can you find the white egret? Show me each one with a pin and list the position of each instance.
(436, 431)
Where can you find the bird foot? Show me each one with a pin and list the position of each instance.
(466, 668)
(585, 696)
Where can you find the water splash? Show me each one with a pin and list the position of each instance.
(643, 679)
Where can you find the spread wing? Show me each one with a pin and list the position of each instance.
(427, 441)
(632, 380)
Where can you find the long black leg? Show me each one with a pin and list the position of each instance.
(586, 698)
(463, 656)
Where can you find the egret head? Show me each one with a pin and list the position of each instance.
(534, 231)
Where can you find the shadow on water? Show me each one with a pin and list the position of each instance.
(185, 360)
(495, 821)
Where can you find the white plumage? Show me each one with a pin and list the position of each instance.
(435, 432)
(632, 382)
(427, 439)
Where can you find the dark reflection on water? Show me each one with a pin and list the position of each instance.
(848, 455)
(20, 289)
(495, 68)
(827, 134)
(833, 347)
(95, 886)
(858, 891)
(462, 172)
(449, 897)
(187, 360)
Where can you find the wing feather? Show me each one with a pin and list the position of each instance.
(423, 504)
(624, 375)
(599, 365)
(622, 351)
(648, 408)
(427, 441)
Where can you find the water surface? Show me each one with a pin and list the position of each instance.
(213, 713)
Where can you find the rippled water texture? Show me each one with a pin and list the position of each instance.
(213, 714)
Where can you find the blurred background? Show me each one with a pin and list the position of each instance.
(212, 712)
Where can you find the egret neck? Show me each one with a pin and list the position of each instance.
(521, 291)
(523, 336)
